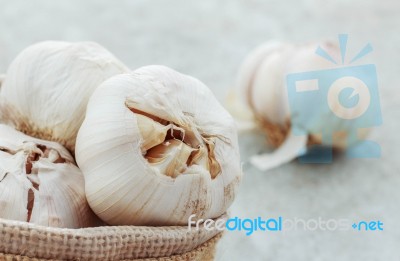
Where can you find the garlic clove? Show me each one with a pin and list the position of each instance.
(213, 165)
(39, 185)
(48, 85)
(275, 106)
(251, 64)
(199, 157)
(153, 133)
(170, 157)
(197, 173)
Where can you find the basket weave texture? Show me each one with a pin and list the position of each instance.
(24, 241)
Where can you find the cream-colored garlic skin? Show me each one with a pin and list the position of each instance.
(156, 147)
(262, 81)
(48, 85)
(40, 184)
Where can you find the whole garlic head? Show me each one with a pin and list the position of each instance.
(40, 184)
(262, 83)
(48, 85)
(157, 147)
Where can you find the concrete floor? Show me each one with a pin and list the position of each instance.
(208, 40)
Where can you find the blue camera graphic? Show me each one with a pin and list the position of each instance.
(325, 102)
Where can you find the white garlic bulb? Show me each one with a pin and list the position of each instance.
(40, 184)
(46, 88)
(156, 147)
(262, 83)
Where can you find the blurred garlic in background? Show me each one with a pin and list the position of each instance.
(157, 147)
(40, 184)
(46, 88)
(262, 98)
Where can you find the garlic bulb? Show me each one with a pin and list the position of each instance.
(40, 184)
(156, 147)
(47, 87)
(262, 83)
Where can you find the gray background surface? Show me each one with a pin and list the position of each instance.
(208, 40)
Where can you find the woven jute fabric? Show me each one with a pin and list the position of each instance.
(24, 241)
(205, 252)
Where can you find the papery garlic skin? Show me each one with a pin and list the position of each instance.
(48, 85)
(123, 187)
(40, 184)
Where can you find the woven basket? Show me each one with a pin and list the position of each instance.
(24, 241)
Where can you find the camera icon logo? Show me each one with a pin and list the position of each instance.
(339, 100)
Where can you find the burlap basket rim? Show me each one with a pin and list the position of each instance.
(204, 252)
(100, 243)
